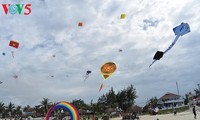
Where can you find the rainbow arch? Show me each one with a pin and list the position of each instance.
(65, 106)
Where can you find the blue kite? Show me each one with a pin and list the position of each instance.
(180, 30)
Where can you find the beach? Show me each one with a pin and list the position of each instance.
(188, 115)
(180, 116)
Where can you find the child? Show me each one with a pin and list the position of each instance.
(175, 112)
(194, 112)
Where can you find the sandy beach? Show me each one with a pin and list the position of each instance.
(188, 115)
(180, 116)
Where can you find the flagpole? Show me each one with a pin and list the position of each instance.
(177, 88)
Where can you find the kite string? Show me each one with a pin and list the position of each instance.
(173, 43)
(86, 77)
(152, 63)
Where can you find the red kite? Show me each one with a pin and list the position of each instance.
(14, 44)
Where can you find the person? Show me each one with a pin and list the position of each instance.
(175, 112)
(96, 118)
(194, 112)
(133, 116)
(93, 117)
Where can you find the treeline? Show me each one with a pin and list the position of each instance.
(192, 95)
(121, 100)
(14, 111)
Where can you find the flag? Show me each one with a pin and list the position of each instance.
(14, 44)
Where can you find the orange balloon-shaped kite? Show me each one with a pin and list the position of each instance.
(108, 69)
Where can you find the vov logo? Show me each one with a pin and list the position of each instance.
(17, 8)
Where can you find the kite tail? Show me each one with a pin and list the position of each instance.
(173, 43)
(86, 77)
(152, 63)
(102, 85)
(12, 54)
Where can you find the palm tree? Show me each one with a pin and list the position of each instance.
(26, 108)
(18, 110)
(2, 109)
(153, 102)
(197, 91)
(79, 104)
(45, 104)
(38, 110)
(10, 109)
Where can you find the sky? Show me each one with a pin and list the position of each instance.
(51, 29)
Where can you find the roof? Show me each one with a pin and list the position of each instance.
(169, 95)
(198, 98)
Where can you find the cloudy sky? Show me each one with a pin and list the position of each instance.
(52, 29)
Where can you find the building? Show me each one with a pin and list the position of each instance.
(170, 100)
(197, 101)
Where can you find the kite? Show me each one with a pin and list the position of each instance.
(87, 74)
(54, 56)
(123, 16)
(180, 30)
(101, 86)
(3, 53)
(1, 82)
(108, 69)
(80, 24)
(14, 44)
(157, 56)
(120, 50)
(15, 76)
